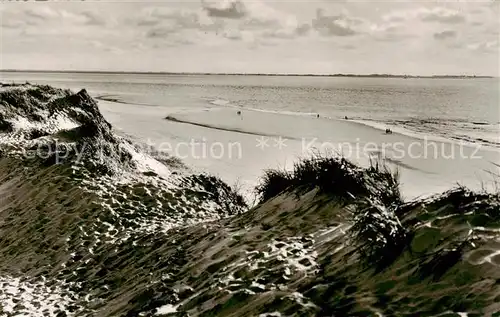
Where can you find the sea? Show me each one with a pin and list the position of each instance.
(275, 117)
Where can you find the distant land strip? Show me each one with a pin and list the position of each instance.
(248, 74)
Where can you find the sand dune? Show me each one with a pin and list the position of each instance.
(123, 234)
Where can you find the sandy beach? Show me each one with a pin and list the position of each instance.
(239, 147)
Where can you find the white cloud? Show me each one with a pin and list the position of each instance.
(427, 14)
(231, 10)
(445, 35)
(251, 34)
(490, 46)
(338, 25)
(441, 15)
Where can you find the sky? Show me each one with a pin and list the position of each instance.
(253, 36)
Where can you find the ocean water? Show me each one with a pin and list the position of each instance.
(455, 111)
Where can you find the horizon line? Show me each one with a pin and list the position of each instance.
(253, 74)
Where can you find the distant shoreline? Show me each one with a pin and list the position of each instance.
(250, 74)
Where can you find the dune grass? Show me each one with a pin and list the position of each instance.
(333, 175)
(373, 194)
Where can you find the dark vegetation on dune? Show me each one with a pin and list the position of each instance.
(448, 242)
(372, 193)
(92, 137)
(335, 176)
(328, 238)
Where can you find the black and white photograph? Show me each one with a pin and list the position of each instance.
(249, 158)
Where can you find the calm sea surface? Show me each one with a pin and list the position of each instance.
(455, 109)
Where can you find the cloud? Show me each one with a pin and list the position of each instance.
(279, 34)
(165, 22)
(349, 47)
(268, 23)
(93, 18)
(391, 31)
(442, 15)
(445, 35)
(398, 16)
(434, 14)
(338, 25)
(250, 34)
(303, 29)
(42, 13)
(233, 36)
(420, 23)
(234, 10)
(12, 24)
(160, 32)
(105, 47)
(50, 18)
(238, 35)
(390, 27)
(183, 19)
(258, 23)
(488, 46)
(395, 37)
